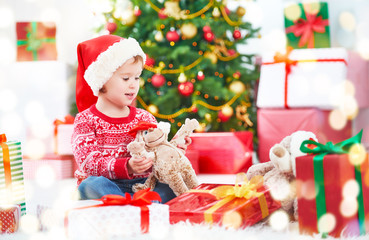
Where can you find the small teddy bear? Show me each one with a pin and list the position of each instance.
(280, 172)
(170, 165)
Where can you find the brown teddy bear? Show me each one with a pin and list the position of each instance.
(279, 173)
(170, 165)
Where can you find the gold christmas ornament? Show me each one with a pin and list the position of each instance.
(227, 111)
(201, 128)
(240, 11)
(212, 56)
(172, 9)
(188, 30)
(153, 109)
(128, 17)
(216, 12)
(159, 36)
(142, 82)
(182, 78)
(208, 117)
(237, 87)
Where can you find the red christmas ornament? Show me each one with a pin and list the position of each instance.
(137, 12)
(185, 89)
(194, 109)
(172, 36)
(236, 34)
(237, 75)
(161, 14)
(222, 117)
(111, 27)
(227, 10)
(209, 36)
(157, 80)
(206, 29)
(149, 61)
(200, 76)
(231, 52)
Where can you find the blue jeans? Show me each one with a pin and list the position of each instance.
(95, 187)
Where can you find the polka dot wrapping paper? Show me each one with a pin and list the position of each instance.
(9, 218)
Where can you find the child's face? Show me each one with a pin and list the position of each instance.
(122, 87)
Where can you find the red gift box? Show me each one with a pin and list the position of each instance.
(210, 204)
(223, 152)
(193, 156)
(9, 218)
(36, 41)
(275, 124)
(325, 201)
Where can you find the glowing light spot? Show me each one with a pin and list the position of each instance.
(347, 21)
(45, 176)
(348, 207)
(308, 190)
(8, 100)
(29, 224)
(12, 122)
(362, 47)
(282, 191)
(6, 17)
(357, 154)
(326, 223)
(232, 219)
(350, 107)
(350, 189)
(337, 119)
(279, 220)
(35, 149)
(349, 88)
(292, 12)
(311, 7)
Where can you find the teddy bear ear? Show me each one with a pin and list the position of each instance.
(164, 126)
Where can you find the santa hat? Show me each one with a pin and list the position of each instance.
(98, 59)
(142, 125)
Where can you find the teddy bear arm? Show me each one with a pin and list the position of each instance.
(259, 169)
(177, 184)
(190, 177)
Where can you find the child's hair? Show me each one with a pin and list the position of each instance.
(135, 60)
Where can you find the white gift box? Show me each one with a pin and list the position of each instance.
(63, 139)
(317, 79)
(113, 222)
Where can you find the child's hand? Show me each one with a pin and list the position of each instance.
(139, 165)
(183, 147)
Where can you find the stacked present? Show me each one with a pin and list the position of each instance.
(317, 89)
(12, 193)
(333, 188)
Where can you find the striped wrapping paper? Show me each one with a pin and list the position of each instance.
(14, 193)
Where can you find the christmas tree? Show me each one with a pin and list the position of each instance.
(193, 68)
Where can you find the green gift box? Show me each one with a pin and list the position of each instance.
(307, 25)
(11, 174)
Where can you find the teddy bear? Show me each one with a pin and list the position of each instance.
(170, 165)
(280, 172)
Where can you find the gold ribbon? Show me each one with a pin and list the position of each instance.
(243, 188)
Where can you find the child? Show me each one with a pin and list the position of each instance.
(108, 80)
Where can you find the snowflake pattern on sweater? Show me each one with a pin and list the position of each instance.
(99, 143)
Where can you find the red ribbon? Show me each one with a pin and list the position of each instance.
(140, 199)
(68, 119)
(6, 163)
(284, 58)
(306, 28)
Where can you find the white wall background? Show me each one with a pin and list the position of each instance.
(32, 95)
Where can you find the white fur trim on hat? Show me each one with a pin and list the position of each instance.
(101, 70)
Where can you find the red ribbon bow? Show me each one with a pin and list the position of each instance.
(306, 28)
(68, 119)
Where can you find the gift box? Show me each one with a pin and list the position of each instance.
(193, 156)
(235, 206)
(361, 121)
(9, 218)
(275, 124)
(313, 78)
(116, 216)
(307, 25)
(11, 174)
(63, 130)
(223, 152)
(333, 188)
(36, 41)
(60, 167)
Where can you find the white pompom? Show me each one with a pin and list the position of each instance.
(164, 126)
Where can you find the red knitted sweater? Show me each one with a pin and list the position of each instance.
(99, 143)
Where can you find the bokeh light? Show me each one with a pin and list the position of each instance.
(8, 100)
(312, 7)
(29, 224)
(363, 47)
(357, 154)
(337, 119)
(348, 207)
(292, 12)
(282, 191)
(306, 189)
(45, 176)
(6, 17)
(13, 124)
(279, 220)
(350, 189)
(347, 21)
(232, 219)
(326, 223)
(350, 107)
(35, 149)
(102, 6)
(275, 41)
